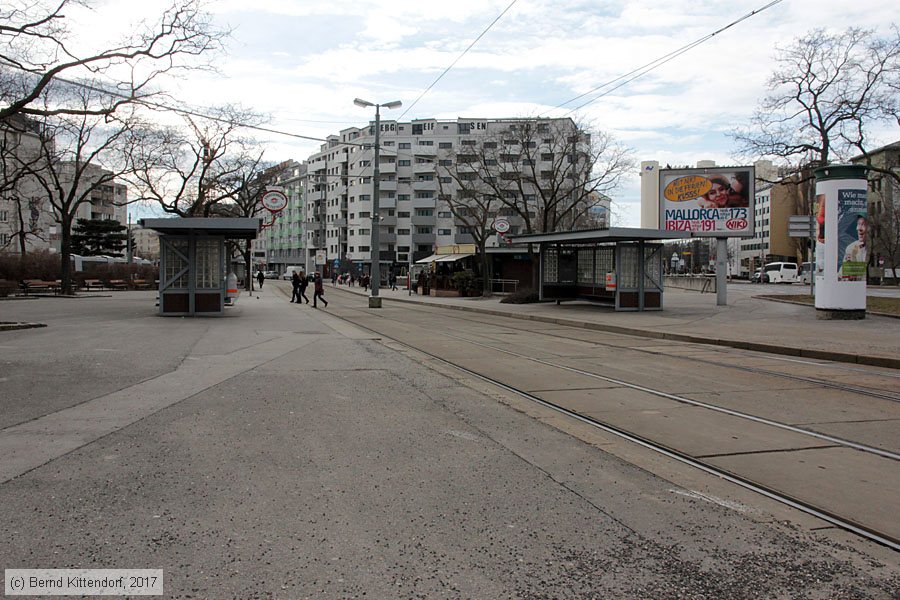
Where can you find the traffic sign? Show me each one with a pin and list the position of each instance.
(800, 226)
(274, 201)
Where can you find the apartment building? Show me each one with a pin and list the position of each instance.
(414, 187)
(282, 241)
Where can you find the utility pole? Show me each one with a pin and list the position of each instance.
(375, 270)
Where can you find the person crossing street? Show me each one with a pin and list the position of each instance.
(319, 291)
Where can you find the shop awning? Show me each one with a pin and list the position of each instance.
(443, 258)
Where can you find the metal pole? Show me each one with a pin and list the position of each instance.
(721, 271)
(375, 270)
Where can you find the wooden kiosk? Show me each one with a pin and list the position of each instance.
(618, 266)
(192, 267)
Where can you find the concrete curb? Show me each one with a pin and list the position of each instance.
(15, 326)
(860, 359)
(868, 312)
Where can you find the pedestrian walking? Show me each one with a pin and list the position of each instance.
(260, 277)
(319, 291)
(333, 278)
(392, 279)
(301, 290)
(365, 282)
(295, 285)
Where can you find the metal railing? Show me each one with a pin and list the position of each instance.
(504, 286)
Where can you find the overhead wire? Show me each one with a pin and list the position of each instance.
(464, 52)
(658, 62)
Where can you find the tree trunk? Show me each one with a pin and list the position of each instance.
(65, 245)
(485, 270)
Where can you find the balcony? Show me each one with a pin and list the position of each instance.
(423, 238)
(387, 167)
(424, 167)
(423, 202)
(384, 202)
(339, 223)
(388, 221)
(463, 238)
(420, 150)
(387, 238)
(417, 220)
(430, 186)
(387, 186)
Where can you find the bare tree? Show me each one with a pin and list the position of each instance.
(188, 172)
(826, 91)
(548, 174)
(81, 163)
(35, 56)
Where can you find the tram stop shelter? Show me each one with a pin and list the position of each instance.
(192, 267)
(621, 266)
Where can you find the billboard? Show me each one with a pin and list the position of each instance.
(710, 202)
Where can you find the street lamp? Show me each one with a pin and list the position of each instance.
(375, 270)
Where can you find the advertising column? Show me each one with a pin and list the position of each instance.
(842, 242)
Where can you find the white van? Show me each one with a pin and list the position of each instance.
(289, 271)
(781, 272)
(805, 273)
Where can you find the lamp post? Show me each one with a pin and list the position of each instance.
(375, 270)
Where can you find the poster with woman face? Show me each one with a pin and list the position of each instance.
(707, 202)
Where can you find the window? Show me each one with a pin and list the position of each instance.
(446, 180)
(424, 229)
(365, 163)
(417, 129)
(490, 162)
(424, 212)
(445, 163)
(402, 248)
(365, 197)
(365, 215)
(405, 145)
(468, 143)
(365, 232)
(443, 232)
(403, 163)
(490, 145)
(4, 216)
(402, 197)
(403, 232)
(463, 128)
(424, 194)
(403, 214)
(445, 214)
(426, 143)
(445, 145)
(388, 143)
(425, 177)
(364, 248)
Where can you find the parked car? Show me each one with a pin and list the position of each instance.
(271, 274)
(759, 277)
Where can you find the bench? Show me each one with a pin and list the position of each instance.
(93, 284)
(140, 284)
(33, 286)
(118, 284)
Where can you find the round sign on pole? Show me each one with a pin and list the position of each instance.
(274, 201)
(501, 225)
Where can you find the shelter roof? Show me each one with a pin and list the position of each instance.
(612, 234)
(229, 227)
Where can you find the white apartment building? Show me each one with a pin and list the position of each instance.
(414, 216)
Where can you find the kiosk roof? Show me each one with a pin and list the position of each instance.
(229, 227)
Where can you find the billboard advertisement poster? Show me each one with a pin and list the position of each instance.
(852, 230)
(711, 202)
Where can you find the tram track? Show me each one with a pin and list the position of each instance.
(863, 391)
(810, 508)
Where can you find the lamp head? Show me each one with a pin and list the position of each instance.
(394, 104)
(360, 102)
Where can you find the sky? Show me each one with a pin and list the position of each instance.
(303, 62)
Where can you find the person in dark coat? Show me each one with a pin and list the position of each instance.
(295, 284)
(301, 289)
(260, 277)
(319, 292)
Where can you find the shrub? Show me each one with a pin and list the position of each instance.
(522, 296)
(464, 281)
